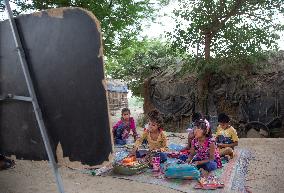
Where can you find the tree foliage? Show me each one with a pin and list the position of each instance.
(140, 60)
(227, 28)
(217, 31)
(121, 20)
(222, 31)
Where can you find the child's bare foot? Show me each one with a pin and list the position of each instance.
(203, 172)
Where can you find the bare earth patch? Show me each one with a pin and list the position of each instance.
(266, 170)
(265, 174)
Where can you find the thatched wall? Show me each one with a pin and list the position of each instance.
(117, 94)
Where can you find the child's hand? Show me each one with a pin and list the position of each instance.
(133, 152)
(156, 150)
(196, 163)
(125, 133)
(189, 160)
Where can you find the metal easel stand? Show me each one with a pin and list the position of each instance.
(33, 97)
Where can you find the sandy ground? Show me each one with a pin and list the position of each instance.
(266, 172)
(265, 175)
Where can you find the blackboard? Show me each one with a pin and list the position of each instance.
(64, 52)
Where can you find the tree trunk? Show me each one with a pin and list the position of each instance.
(203, 90)
(203, 82)
(208, 39)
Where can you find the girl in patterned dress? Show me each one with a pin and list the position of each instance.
(203, 152)
(123, 127)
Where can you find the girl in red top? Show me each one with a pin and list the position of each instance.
(123, 127)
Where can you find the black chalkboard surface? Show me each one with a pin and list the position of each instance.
(64, 54)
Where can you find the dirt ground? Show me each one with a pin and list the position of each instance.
(266, 170)
(265, 175)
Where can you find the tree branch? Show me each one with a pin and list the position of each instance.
(222, 5)
(217, 21)
(110, 4)
(217, 24)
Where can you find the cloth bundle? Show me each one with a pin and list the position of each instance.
(224, 140)
(182, 171)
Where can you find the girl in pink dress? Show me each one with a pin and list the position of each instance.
(204, 153)
(123, 127)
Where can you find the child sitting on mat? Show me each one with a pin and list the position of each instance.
(195, 117)
(226, 135)
(122, 128)
(154, 135)
(203, 152)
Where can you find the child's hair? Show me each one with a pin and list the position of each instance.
(124, 110)
(196, 116)
(155, 117)
(202, 124)
(223, 118)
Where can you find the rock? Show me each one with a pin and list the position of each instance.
(252, 133)
(263, 133)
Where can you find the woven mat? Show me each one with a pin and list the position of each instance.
(232, 174)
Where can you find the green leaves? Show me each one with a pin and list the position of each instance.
(236, 28)
(120, 19)
(234, 32)
(139, 60)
